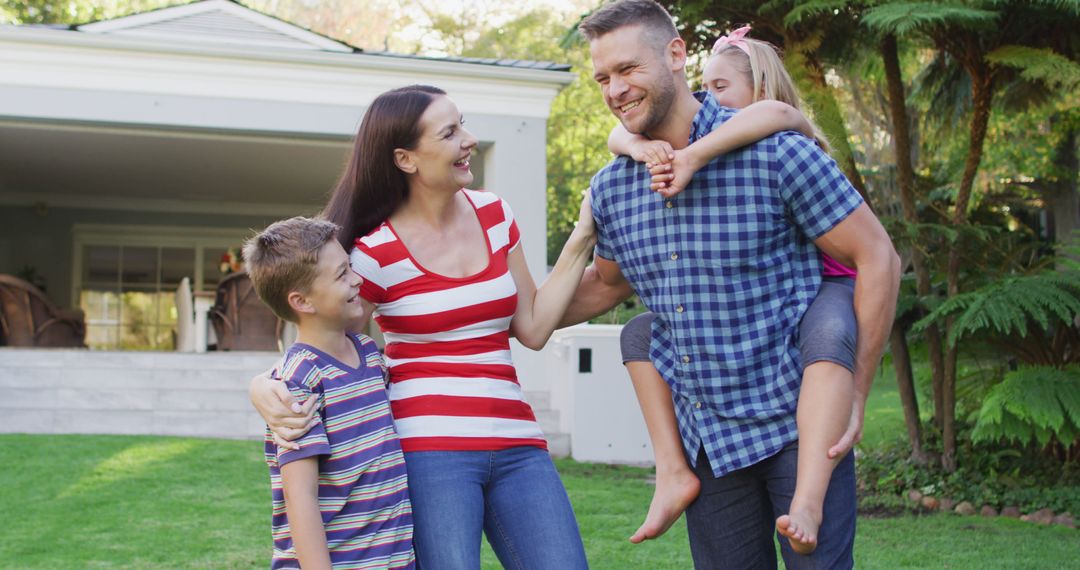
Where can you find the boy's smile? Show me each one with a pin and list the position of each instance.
(335, 292)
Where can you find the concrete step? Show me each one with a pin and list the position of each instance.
(159, 393)
(538, 399)
(559, 444)
(548, 420)
(79, 359)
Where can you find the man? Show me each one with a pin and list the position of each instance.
(729, 267)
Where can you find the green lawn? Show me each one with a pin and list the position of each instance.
(884, 419)
(152, 502)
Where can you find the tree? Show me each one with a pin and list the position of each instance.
(579, 123)
(73, 11)
(968, 33)
(373, 25)
(899, 126)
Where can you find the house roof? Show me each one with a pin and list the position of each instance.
(230, 23)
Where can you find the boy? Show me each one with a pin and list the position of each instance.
(340, 500)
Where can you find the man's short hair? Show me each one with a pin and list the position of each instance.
(652, 17)
(282, 259)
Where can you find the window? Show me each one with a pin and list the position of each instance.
(126, 279)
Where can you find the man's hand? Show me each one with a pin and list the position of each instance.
(853, 434)
(651, 152)
(671, 178)
(287, 419)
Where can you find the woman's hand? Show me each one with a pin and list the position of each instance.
(585, 228)
(287, 419)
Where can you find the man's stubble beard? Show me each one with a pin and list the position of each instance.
(662, 97)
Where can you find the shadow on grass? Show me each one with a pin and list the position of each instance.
(144, 502)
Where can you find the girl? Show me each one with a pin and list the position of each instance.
(743, 72)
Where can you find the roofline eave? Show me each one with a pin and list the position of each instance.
(355, 60)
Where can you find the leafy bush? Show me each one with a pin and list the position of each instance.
(1032, 404)
(1030, 317)
(988, 475)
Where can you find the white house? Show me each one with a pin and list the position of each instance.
(136, 151)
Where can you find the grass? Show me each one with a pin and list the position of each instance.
(154, 502)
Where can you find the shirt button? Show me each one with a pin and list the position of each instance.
(679, 309)
(674, 256)
(668, 204)
(686, 359)
(697, 405)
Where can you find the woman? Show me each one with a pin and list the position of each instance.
(446, 277)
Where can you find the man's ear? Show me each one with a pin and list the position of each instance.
(404, 161)
(676, 54)
(299, 303)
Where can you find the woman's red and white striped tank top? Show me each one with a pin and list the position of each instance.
(453, 386)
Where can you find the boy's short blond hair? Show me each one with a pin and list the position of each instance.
(282, 259)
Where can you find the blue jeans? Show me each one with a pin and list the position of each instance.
(514, 496)
(733, 521)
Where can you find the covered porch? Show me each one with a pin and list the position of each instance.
(139, 151)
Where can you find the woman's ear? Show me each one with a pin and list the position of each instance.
(299, 303)
(404, 161)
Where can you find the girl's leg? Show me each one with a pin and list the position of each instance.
(676, 484)
(446, 490)
(823, 415)
(827, 342)
(528, 520)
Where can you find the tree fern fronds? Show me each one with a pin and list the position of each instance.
(1010, 306)
(1069, 394)
(1066, 6)
(1032, 404)
(1035, 400)
(902, 18)
(811, 8)
(1043, 65)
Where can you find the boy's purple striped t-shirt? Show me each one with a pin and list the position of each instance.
(362, 481)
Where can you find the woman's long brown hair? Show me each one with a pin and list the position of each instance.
(372, 186)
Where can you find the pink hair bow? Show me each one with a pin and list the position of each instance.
(733, 38)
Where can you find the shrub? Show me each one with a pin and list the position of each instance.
(1032, 405)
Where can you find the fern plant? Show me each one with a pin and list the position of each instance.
(1035, 319)
(1031, 317)
(1033, 405)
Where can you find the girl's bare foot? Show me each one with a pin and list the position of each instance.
(674, 492)
(800, 527)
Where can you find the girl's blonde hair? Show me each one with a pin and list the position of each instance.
(761, 63)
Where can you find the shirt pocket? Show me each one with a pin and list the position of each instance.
(757, 238)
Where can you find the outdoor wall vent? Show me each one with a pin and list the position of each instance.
(584, 362)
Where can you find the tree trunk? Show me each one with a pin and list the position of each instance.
(810, 74)
(982, 93)
(906, 386)
(905, 176)
(1062, 198)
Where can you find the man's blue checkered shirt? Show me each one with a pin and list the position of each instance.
(729, 268)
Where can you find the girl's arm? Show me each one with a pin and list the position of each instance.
(749, 125)
(637, 147)
(540, 310)
(300, 484)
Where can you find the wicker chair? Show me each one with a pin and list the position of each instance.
(241, 321)
(27, 318)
